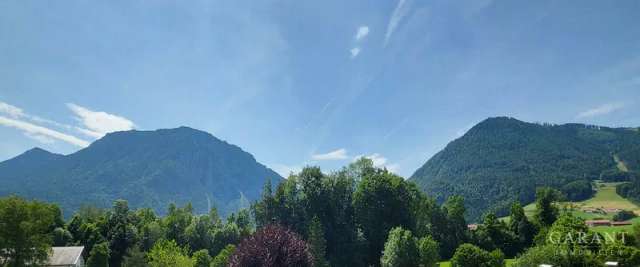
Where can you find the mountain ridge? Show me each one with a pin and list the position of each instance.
(148, 168)
(502, 159)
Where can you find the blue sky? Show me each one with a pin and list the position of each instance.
(312, 82)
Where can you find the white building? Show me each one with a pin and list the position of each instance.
(66, 257)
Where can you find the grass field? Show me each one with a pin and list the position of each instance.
(605, 198)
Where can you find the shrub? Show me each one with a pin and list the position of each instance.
(468, 255)
(272, 246)
(624, 215)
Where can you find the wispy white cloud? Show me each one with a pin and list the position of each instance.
(380, 161)
(40, 138)
(99, 123)
(600, 110)
(362, 32)
(338, 154)
(94, 124)
(37, 131)
(354, 52)
(401, 10)
(16, 112)
(12, 111)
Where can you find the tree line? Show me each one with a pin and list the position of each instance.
(358, 216)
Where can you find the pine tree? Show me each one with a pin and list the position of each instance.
(317, 243)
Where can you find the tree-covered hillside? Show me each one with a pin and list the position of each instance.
(503, 159)
(148, 168)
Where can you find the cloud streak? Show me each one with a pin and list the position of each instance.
(94, 124)
(600, 110)
(12, 111)
(338, 154)
(40, 133)
(97, 123)
(401, 10)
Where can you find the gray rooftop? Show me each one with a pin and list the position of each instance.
(65, 256)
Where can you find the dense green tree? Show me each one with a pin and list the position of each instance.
(400, 250)
(432, 220)
(624, 215)
(468, 255)
(99, 256)
(90, 235)
(24, 230)
(313, 192)
(546, 211)
(382, 201)
(222, 259)
(495, 234)
(538, 255)
(135, 258)
(577, 190)
(317, 243)
(121, 232)
(176, 223)
(454, 225)
(290, 210)
(521, 227)
(428, 249)
(199, 233)
(227, 234)
(264, 211)
(167, 253)
(338, 221)
(243, 220)
(201, 258)
(150, 233)
(61, 237)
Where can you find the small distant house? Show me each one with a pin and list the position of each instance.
(66, 257)
(621, 223)
(472, 227)
(593, 223)
(612, 210)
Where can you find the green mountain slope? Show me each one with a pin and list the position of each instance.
(503, 159)
(148, 168)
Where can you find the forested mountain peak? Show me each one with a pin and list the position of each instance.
(149, 168)
(503, 159)
(37, 153)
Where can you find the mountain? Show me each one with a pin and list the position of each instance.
(502, 159)
(147, 168)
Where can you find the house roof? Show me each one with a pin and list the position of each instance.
(61, 256)
(598, 221)
(621, 223)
